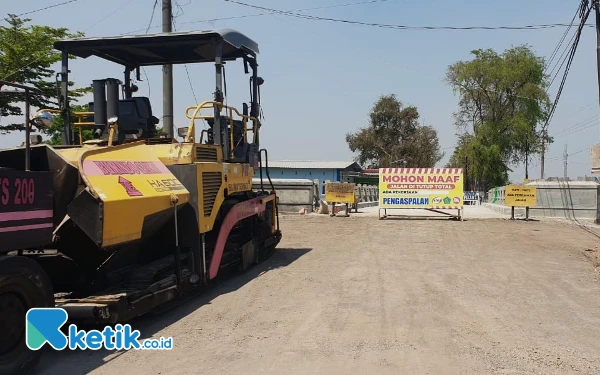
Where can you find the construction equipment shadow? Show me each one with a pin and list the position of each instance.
(229, 280)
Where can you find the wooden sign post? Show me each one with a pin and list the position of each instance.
(338, 192)
(520, 196)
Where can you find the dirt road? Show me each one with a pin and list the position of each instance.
(358, 295)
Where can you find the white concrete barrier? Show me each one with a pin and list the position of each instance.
(293, 194)
(296, 194)
(555, 199)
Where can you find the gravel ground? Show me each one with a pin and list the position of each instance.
(359, 295)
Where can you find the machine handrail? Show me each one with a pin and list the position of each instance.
(78, 124)
(79, 115)
(209, 104)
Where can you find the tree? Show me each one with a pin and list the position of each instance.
(483, 165)
(26, 57)
(502, 108)
(394, 137)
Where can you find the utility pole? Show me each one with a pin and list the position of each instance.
(466, 186)
(596, 5)
(565, 156)
(543, 153)
(167, 23)
(526, 159)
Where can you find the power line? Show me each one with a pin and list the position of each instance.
(48, 7)
(582, 9)
(562, 39)
(148, 28)
(108, 15)
(578, 126)
(554, 158)
(268, 13)
(152, 16)
(180, 7)
(582, 150)
(89, 27)
(401, 27)
(570, 161)
(579, 110)
(292, 13)
(189, 22)
(590, 124)
(563, 57)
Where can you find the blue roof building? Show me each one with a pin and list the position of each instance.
(334, 171)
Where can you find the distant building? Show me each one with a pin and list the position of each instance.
(335, 171)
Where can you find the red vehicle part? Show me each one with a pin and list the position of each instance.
(26, 209)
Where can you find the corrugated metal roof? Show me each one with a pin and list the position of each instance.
(310, 164)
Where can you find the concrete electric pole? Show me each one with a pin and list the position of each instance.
(594, 160)
(596, 5)
(543, 157)
(565, 156)
(167, 23)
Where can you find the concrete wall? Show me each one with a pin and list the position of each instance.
(296, 194)
(367, 193)
(558, 199)
(293, 194)
(304, 174)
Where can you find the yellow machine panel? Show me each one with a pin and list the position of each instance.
(73, 155)
(239, 177)
(211, 193)
(208, 153)
(132, 184)
(215, 181)
(173, 153)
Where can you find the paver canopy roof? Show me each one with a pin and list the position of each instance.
(163, 48)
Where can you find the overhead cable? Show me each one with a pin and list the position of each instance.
(400, 27)
(584, 10)
(48, 7)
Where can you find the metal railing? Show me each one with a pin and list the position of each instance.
(210, 104)
(79, 124)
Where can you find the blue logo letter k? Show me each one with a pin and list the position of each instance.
(43, 325)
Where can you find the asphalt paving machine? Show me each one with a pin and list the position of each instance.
(111, 228)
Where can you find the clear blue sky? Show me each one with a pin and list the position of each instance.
(321, 78)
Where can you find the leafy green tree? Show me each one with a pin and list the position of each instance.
(26, 57)
(502, 108)
(483, 164)
(395, 138)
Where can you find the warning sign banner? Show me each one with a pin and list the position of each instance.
(439, 188)
(339, 192)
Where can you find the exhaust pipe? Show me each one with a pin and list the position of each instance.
(106, 103)
(100, 117)
(112, 97)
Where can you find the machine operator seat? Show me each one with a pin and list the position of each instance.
(241, 149)
(135, 117)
